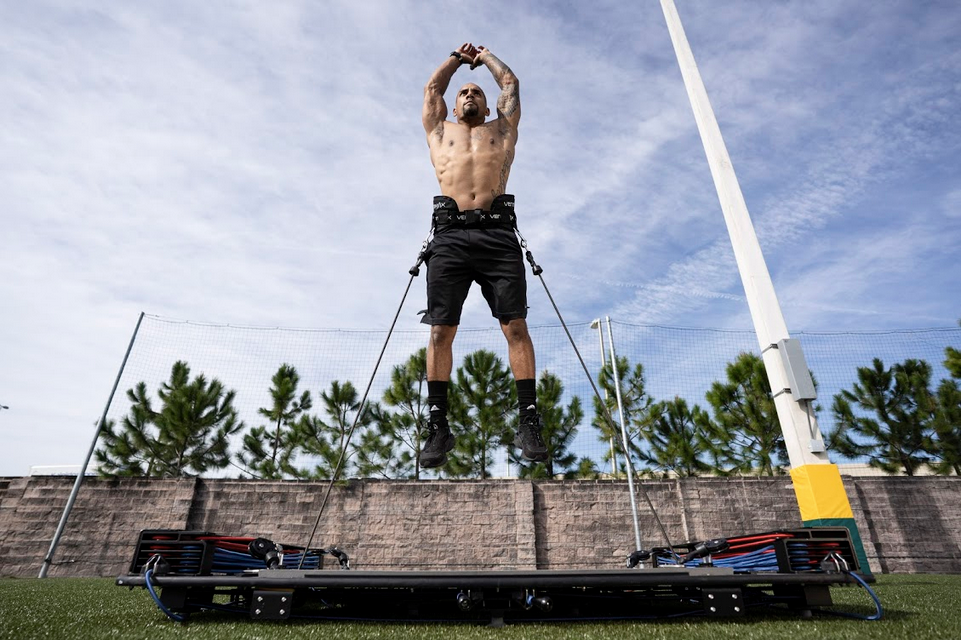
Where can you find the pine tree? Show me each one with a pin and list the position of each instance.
(481, 400)
(559, 428)
(676, 436)
(327, 439)
(587, 469)
(636, 405)
(745, 433)
(898, 436)
(381, 451)
(952, 360)
(407, 426)
(187, 436)
(268, 451)
(945, 446)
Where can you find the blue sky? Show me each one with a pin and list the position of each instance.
(264, 164)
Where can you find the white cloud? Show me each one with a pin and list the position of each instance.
(265, 164)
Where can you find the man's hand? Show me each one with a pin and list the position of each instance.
(468, 53)
(476, 61)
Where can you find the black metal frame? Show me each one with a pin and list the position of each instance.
(188, 584)
(494, 596)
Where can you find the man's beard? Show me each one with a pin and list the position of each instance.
(471, 110)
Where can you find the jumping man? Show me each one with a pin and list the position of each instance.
(474, 240)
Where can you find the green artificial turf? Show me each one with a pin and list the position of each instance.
(916, 607)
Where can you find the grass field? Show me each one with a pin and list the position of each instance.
(917, 607)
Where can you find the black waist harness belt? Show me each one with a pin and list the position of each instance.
(501, 214)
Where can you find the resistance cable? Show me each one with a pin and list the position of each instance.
(413, 271)
(538, 271)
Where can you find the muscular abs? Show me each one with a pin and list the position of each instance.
(472, 163)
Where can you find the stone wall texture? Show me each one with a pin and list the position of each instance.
(908, 525)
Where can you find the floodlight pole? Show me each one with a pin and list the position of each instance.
(596, 324)
(83, 468)
(627, 452)
(817, 483)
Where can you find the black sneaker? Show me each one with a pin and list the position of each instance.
(529, 439)
(439, 441)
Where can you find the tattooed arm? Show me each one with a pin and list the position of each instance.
(509, 101)
(435, 109)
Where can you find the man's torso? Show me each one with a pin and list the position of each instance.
(473, 163)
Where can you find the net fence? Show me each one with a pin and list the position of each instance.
(677, 361)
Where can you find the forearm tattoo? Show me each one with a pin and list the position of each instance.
(497, 67)
(509, 98)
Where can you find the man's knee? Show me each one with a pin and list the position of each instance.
(442, 336)
(516, 331)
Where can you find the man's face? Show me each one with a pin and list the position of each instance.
(471, 102)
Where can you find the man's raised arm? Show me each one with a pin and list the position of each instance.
(509, 101)
(435, 109)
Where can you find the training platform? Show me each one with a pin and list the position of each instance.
(784, 570)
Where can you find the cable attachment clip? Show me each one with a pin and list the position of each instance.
(834, 563)
(637, 558)
(704, 550)
(535, 268)
(270, 552)
(157, 565)
(341, 557)
(422, 255)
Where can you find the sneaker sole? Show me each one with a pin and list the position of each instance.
(542, 458)
(431, 463)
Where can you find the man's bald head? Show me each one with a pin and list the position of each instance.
(471, 104)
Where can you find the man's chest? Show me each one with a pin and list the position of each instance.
(488, 140)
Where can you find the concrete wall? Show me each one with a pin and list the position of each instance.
(907, 524)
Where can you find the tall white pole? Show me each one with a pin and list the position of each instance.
(596, 324)
(801, 433)
(627, 451)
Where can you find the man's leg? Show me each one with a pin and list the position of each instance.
(440, 362)
(520, 350)
(440, 356)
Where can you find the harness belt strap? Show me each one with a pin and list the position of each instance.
(475, 217)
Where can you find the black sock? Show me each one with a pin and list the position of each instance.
(527, 396)
(437, 398)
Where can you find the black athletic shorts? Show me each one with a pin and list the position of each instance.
(463, 253)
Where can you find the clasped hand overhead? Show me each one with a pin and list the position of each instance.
(470, 54)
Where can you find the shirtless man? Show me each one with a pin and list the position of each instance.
(474, 240)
